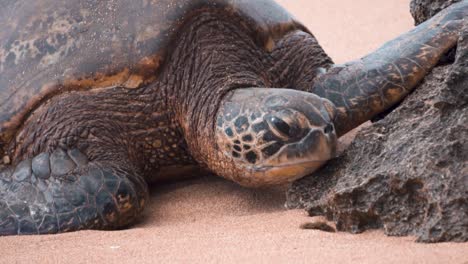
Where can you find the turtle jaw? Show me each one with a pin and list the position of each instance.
(297, 160)
(283, 174)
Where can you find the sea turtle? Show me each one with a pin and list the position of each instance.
(98, 98)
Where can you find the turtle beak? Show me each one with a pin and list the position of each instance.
(300, 159)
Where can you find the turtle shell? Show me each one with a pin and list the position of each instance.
(52, 46)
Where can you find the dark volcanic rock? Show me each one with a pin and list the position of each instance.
(408, 173)
(425, 9)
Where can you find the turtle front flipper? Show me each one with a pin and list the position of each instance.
(362, 89)
(64, 192)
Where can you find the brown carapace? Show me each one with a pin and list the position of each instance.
(98, 98)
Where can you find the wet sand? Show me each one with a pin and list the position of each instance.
(210, 220)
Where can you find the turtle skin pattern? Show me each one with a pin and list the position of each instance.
(65, 192)
(364, 88)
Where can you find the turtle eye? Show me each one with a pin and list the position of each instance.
(279, 126)
(328, 129)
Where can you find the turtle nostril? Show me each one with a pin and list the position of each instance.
(329, 129)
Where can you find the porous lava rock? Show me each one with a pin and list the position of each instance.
(407, 173)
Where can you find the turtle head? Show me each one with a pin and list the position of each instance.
(274, 136)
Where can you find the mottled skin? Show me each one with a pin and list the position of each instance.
(111, 96)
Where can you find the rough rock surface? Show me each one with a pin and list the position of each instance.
(425, 9)
(407, 173)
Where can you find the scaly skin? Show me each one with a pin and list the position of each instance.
(64, 192)
(81, 160)
(362, 89)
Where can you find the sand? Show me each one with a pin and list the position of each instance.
(210, 220)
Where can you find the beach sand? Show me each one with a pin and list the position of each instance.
(210, 220)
